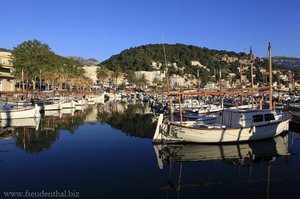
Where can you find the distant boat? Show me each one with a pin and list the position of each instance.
(13, 113)
(58, 103)
(188, 104)
(230, 125)
(50, 104)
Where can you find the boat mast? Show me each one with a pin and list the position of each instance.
(220, 77)
(252, 80)
(241, 81)
(166, 64)
(168, 82)
(270, 77)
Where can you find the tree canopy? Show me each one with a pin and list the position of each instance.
(32, 57)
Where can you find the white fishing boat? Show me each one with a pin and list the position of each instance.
(68, 104)
(230, 125)
(64, 103)
(20, 113)
(51, 105)
(95, 99)
(17, 104)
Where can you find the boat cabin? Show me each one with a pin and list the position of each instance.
(232, 118)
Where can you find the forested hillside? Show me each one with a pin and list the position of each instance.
(5, 50)
(141, 58)
(291, 63)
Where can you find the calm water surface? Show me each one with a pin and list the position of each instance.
(107, 152)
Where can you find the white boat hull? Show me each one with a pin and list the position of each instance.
(20, 113)
(55, 106)
(66, 105)
(221, 135)
(173, 132)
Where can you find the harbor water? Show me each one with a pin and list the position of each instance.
(106, 151)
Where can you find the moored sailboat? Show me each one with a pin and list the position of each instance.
(230, 125)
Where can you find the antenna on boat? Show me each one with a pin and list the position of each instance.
(270, 73)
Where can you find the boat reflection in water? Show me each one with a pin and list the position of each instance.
(22, 122)
(11, 127)
(35, 135)
(244, 155)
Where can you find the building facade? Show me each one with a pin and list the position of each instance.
(150, 75)
(7, 81)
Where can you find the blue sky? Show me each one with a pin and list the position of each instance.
(101, 28)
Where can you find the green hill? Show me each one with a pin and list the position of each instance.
(5, 50)
(291, 63)
(142, 57)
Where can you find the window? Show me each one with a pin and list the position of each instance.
(269, 117)
(5, 70)
(258, 118)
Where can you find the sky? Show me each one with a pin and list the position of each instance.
(102, 28)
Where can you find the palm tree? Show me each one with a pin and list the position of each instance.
(131, 78)
(102, 74)
(115, 76)
(142, 81)
(156, 82)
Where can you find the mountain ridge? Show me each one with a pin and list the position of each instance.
(84, 61)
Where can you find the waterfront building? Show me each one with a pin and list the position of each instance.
(7, 80)
(91, 72)
(178, 81)
(150, 75)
